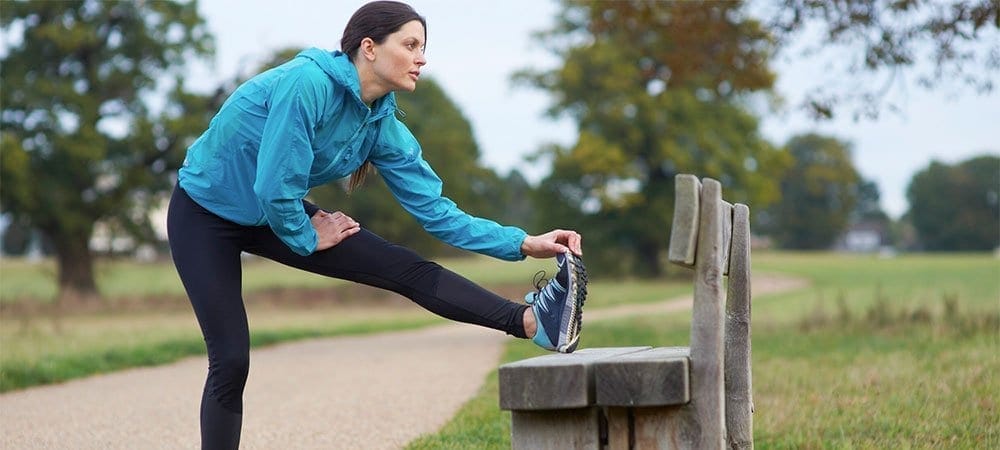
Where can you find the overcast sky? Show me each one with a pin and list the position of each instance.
(474, 46)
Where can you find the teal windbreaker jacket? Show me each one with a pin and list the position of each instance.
(303, 124)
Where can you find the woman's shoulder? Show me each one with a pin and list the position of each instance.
(395, 133)
(395, 141)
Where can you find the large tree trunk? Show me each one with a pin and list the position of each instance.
(75, 268)
(648, 257)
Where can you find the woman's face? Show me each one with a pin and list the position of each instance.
(400, 56)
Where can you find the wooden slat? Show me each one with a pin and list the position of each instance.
(739, 390)
(655, 377)
(553, 381)
(684, 230)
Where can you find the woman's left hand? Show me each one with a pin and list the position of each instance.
(552, 243)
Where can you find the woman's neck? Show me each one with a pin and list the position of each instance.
(371, 88)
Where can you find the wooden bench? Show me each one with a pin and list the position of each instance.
(696, 397)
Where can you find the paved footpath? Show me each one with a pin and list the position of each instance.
(366, 392)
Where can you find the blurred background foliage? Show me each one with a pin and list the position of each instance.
(96, 119)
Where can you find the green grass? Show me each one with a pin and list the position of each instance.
(22, 281)
(911, 386)
(886, 363)
(907, 281)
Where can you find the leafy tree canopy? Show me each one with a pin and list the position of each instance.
(879, 44)
(84, 141)
(657, 89)
(957, 207)
(819, 193)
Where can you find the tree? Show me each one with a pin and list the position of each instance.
(656, 89)
(818, 193)
(512, 194)
(82, 139)
(17, 239)
(945, 43)
(956, 207)
(867, 206)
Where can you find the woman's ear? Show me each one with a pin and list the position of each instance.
(367, 49)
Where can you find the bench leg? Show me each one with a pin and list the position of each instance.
(651, 428)
(566, 428)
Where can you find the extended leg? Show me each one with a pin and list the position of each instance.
(369, 259)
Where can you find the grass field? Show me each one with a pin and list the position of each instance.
(876, 354)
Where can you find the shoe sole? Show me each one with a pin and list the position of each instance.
(573, 312)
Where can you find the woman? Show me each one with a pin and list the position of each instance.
(312, 120)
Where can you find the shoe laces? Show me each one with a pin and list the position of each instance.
(539, 280)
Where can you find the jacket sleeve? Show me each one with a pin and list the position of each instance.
(418, 189)
(285, 157)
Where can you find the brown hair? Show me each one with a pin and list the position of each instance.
(375, 20)
(359, 176)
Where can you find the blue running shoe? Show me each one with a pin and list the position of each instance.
(558, 305)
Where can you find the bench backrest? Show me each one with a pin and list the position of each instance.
(712, 236)
(633, 397)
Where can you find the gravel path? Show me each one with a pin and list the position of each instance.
(373, 392)
(368, 392)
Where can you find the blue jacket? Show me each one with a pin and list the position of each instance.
(303, 124)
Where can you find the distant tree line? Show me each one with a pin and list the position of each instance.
(96, 117)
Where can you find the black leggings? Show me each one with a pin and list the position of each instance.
(206, 251)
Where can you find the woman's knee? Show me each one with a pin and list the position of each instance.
(227, 378)
(235, 364)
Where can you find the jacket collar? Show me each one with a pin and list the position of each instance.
(340, 69)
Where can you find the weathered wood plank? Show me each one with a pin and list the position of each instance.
(553, 381)
(620, 428)
(684, 230)
(656, 428)
(663, 428)
(707, 325)
(556, 430)
(655, 377)
(739, 387)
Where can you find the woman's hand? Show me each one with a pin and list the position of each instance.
(333, 228)
(552, 243)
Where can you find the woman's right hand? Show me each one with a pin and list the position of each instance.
(332, 228)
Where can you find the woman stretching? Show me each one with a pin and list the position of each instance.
(315, 119)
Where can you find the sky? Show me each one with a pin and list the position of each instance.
(474, 46)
